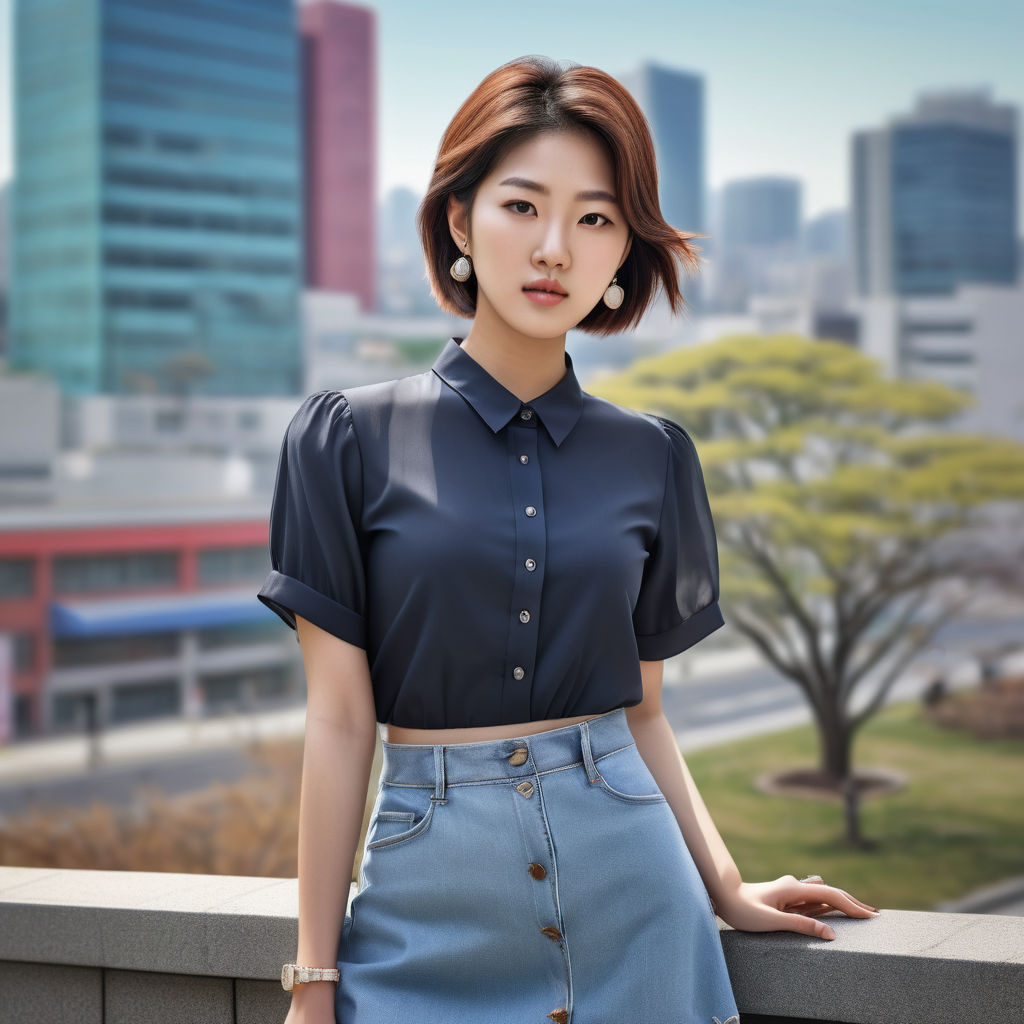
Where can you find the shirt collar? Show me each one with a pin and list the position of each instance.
(558, 408)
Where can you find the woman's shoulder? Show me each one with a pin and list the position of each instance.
(638, 424)
(334, 403)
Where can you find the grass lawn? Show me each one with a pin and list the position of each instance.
(958, 824)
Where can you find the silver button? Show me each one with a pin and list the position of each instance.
(524, 459)
(524, 616)
(525, 414)
(519, 672)
(530, 510)
(531, 564)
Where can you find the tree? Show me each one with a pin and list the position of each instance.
(845, 519)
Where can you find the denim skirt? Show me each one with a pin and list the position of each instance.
(530, 879)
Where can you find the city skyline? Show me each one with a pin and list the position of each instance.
(784, 94)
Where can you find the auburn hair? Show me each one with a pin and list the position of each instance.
(521, 99)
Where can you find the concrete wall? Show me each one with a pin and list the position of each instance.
(128, 947)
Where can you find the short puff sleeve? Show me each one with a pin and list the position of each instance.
(678, 601)
(316, 547)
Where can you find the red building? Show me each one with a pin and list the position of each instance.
(120, 614)
(339, 57)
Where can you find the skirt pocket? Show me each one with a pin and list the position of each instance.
(624, 774)
(401, 814)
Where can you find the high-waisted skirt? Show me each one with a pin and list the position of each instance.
(531, 879)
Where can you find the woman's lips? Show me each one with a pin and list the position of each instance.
(543, 298)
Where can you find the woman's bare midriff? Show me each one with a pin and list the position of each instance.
(400, 734)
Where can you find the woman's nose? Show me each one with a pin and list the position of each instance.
(554, 249)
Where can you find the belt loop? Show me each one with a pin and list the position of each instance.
(439, 779)
(588, 757)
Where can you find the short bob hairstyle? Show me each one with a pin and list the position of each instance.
(524, 98)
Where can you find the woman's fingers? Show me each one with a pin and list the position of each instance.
(838, 899)
(815, 910)
(804, 924)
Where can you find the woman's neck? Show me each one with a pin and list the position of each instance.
(525, 365)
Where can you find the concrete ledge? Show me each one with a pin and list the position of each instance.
(215, 925)
(212, 947)
(902, 967)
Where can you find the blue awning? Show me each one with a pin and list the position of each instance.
(166, 613)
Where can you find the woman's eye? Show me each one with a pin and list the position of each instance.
(516, 203)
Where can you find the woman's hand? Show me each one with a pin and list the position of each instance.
(312, 1003)
(787, 904)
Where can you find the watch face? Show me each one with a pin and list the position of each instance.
(288, 977)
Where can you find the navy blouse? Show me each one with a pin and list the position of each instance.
(499, 561)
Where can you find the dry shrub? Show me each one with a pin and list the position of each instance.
(246, 828)
(994, 711)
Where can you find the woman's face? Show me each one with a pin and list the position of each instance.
(547, 210)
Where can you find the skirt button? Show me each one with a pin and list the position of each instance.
(519, 755)
(525, 787)
(537, 870)
(552, 932)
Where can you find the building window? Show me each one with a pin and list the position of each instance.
(233, 565)
(82, 652)
(221, 637)
(90, 574)
(248, 688)
(136, 701)
(17, 577)
(24, 652)
(74, 712)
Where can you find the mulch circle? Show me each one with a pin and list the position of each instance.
(817, 785)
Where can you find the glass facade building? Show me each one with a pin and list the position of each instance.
(934, 197)
(954, 207)
(761, 211)
(156, 221)
(673, 103)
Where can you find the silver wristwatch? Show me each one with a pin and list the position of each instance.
(293, 974)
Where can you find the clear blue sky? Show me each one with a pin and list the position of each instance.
(786, 80)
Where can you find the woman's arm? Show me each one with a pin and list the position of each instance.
(341, 734)
(745, 906)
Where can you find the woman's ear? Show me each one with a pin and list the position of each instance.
(457, 223)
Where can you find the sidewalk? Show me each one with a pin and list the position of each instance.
(60, 756)
(1005, 897)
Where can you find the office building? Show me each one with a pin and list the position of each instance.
(156, 234)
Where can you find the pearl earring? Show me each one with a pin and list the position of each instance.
(461, 268)
(613, 294)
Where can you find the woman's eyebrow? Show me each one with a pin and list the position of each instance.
(587, 196)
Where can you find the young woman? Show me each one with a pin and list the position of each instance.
(493, 564)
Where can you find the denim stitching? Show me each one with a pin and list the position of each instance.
(496, 780)
(558, 906)
(503, 778)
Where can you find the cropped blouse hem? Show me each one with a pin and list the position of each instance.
(288, 596)
(658, 646)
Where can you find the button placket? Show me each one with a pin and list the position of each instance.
(527, 564)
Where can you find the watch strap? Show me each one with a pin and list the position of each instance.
(300, 975)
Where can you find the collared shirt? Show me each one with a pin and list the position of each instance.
(500, 561)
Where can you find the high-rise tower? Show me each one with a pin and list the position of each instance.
(156, 233)
(339, 55)
(934, 197)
